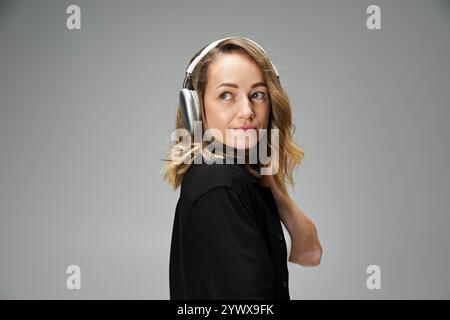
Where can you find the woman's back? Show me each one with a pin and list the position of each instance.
(227, 239)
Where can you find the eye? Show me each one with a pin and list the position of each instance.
(261, 96)
(223, 94)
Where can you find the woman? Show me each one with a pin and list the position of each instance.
(227, 240)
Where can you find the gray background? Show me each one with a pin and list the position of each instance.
(86, 116)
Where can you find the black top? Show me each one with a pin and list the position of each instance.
(227, 240)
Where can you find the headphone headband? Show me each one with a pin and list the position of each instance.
(212, 45)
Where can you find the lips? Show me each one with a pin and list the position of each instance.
(244, 128)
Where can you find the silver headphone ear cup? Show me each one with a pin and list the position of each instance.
(190, 108)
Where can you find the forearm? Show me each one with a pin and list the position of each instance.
(305, 245)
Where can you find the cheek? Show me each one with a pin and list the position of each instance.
(264, 116)
(217, 117)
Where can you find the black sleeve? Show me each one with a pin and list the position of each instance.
(230, 251)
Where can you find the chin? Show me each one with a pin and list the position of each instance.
(240, 139)
(242, 143)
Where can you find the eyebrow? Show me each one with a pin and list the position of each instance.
(234, 85)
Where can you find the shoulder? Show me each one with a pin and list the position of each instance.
(202, 177)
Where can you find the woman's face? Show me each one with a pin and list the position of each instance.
(236, 96)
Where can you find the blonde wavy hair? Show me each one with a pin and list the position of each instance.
(290, 155)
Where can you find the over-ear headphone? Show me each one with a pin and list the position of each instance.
(189, 103)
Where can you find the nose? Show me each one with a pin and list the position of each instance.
(246, 108)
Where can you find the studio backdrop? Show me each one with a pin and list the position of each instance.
(88, 98)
